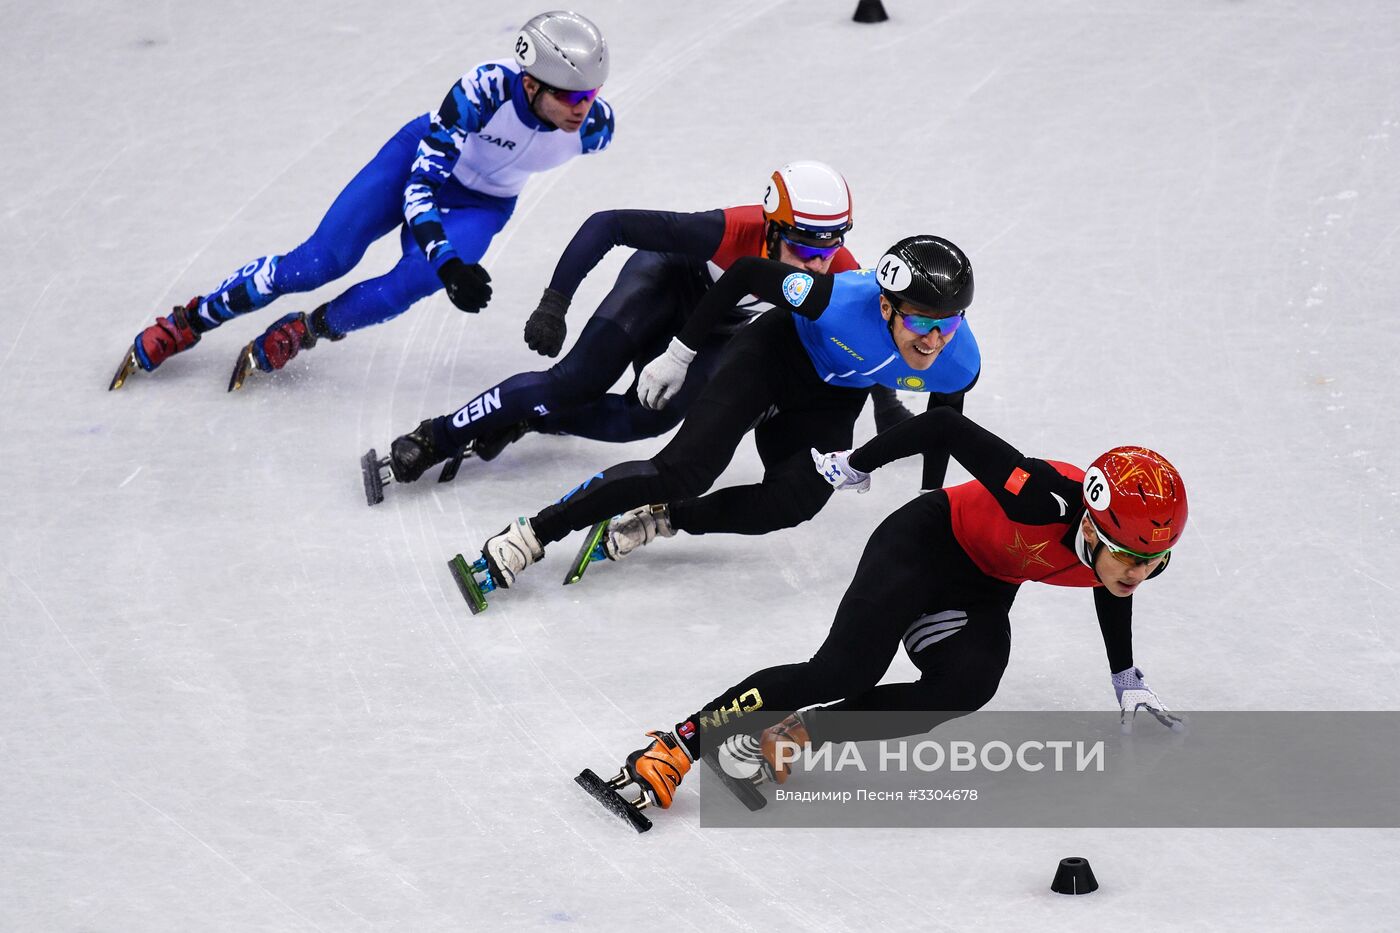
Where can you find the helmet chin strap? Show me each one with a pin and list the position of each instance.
(539, 89)
(1088, 555)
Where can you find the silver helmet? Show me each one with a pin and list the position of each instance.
(564, 50)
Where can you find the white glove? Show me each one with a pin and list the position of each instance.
(836, 469)
(1134, 694)
(663, 376)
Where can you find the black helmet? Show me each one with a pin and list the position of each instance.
(928, 271)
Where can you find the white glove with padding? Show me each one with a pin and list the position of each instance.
(662, 378)
(1134, 694)
(836, 469)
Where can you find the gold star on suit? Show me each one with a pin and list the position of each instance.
(1027, 552)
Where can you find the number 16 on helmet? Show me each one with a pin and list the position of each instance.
(1136, 499)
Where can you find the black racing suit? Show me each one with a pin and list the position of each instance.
(765, 370)
(917, 585)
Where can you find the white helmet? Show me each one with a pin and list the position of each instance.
(564, 50)
(811, 197)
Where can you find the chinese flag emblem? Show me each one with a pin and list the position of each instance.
(1016, 481)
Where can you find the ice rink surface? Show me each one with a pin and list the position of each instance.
(234, 698)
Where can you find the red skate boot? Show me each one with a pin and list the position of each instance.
(163, 339)
(280, 343)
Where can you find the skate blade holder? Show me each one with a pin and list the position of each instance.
(606, 793)
(453, 464)
(244, 365)
(747, 793)
(593, 550)
(473, 590)
(376, 473)
(128, 366)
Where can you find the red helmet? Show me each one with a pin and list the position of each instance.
(1136, 499)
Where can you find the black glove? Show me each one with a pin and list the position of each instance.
(469, 286)
(545, 330)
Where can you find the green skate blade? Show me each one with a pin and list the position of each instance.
(603, 792)
(466, 582)
(128, 366)
(749, 795)
(585, 553)
(241, 368)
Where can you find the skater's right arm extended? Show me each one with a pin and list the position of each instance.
(1027, 489)
(765, 279)
(697, 235)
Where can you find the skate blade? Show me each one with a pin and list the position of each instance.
(241, 368)
(603, 792)
(449, 469)
(591, 551)
(128, 366)
(374, 471)
(465, 575)
(750, 796)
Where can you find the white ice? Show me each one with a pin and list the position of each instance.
(234, 698)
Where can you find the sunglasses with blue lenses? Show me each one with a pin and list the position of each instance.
(572, 98)
(922, 324)
(806, 251)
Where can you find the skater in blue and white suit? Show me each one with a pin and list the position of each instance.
(448, 181)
